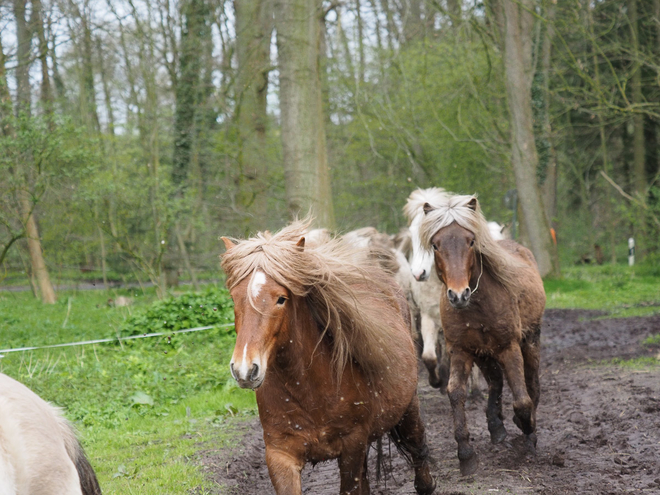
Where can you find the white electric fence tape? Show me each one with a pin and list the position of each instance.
(115, 339)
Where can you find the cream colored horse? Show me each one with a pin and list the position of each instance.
(39, 452)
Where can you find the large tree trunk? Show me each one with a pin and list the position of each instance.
(254, 25)
(639, 172)
(187, 89)
(26, 205)
(549, 187)
(303, 127)
(519, 71)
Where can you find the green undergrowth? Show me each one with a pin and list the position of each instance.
(618, 290)
(142, 407)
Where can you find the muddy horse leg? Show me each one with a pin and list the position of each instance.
(410, 438)
(531, 352)
(524, 417)
(284, 470)
(493, 374)
(351, 466)
(429, 354)
(461, 365)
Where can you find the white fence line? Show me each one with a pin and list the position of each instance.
(114, 339)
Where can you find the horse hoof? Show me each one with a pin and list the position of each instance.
(530, 441)
(425, 486)
(469, 466)
(498, 434)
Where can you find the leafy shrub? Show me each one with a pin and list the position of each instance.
(213, 306)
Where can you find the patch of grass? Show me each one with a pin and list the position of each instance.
(652, 340)
(142, 407)
(620, 290)
(637, 363)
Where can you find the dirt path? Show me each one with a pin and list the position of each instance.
(598, 426)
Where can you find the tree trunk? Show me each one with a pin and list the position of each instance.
(518, 70)
(303, 126)
(195, 13)
(549, 187)
(639, 172)
(254, 25)
(26, 205)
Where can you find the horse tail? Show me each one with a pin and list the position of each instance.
(415, 455)
(89, 485)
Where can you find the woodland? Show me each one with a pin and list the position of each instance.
(134, 133)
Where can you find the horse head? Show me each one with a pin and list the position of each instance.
(421, 261)
(454, 254)
(261, 310)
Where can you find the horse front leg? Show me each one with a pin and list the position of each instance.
(461, 365)
(511, 360)
(352, 463)
(284, 470)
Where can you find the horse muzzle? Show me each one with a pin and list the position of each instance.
(459, 300)
(251, 378)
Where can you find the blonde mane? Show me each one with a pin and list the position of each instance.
(349, 294)
(466, 212)
(415, 203)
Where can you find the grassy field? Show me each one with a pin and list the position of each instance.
(145, 408)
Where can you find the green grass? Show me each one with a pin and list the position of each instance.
(639, 363)
(144, 407)
(652, 340)
(619, 290)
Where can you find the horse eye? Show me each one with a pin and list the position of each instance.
(435, 248)
(472, 243)
(281, 300)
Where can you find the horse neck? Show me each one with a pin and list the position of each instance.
(298, 357)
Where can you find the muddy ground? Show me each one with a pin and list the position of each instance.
(598, 426)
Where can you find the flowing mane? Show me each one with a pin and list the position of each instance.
(415, 203)
(348, 293)
(466, 212)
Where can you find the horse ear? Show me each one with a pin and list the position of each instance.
(427, 208)
(228, 243)
(301, 244)
(472, 204)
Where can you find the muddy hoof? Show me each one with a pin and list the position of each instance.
(469, 466)
(498, 434)
(425, 485)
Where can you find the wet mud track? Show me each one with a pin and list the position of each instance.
(598, 426)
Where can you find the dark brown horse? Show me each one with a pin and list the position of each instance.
(491, 306)
(323, 336)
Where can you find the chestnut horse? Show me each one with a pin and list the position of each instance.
(323, 336)
(491, 306)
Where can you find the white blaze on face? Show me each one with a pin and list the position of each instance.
(258, 280)
(422, 260)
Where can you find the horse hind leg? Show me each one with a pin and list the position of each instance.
(493, 374)
(531, 352)
(410, 440)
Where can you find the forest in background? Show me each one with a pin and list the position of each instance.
(135, 132)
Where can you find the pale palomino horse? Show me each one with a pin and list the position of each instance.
(39, 452)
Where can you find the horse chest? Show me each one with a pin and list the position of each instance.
(315, 428)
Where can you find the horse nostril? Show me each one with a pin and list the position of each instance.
(466, 294)
(451, 295)
(231, 369)
(254, 372)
